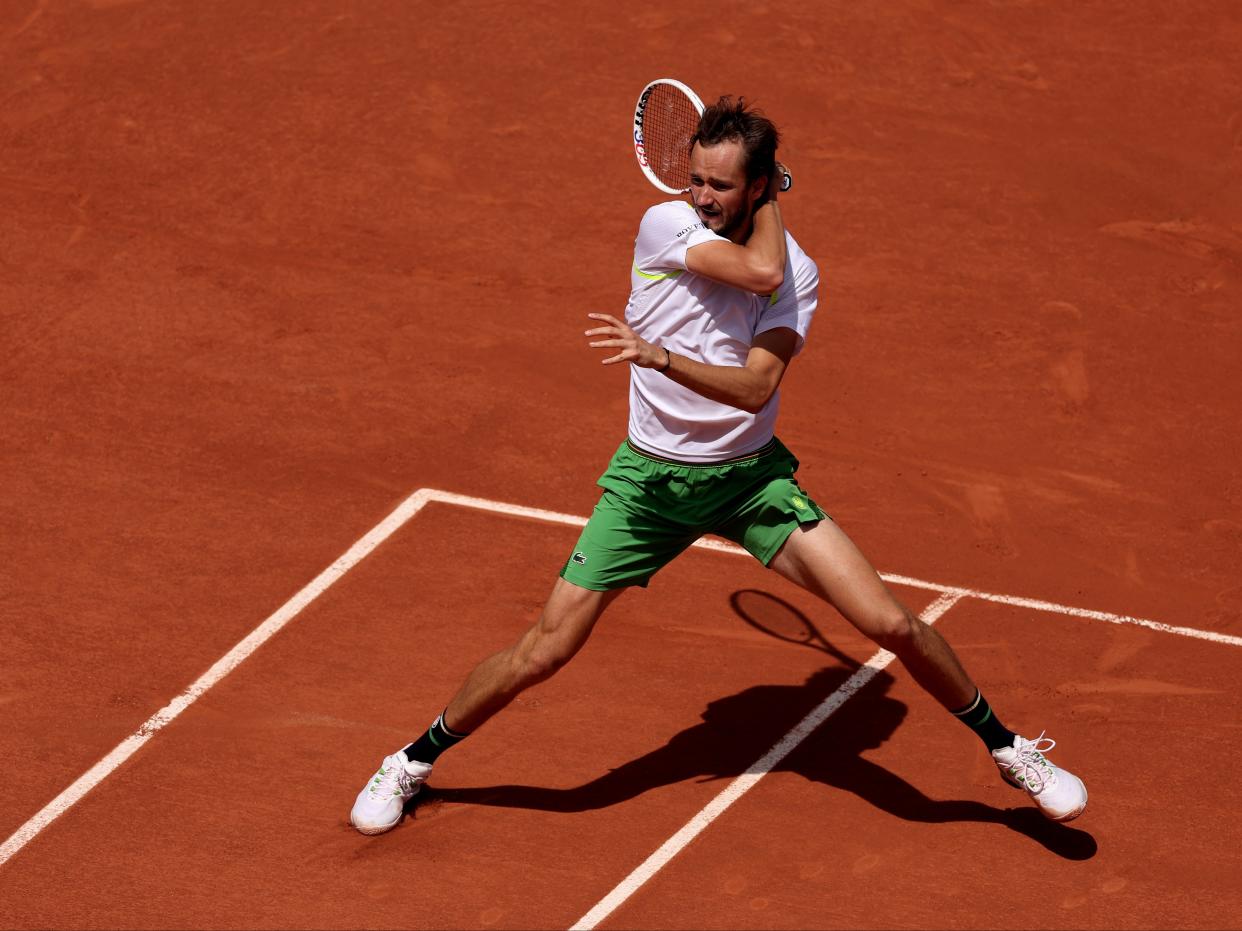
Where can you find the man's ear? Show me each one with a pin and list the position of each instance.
(758, 188)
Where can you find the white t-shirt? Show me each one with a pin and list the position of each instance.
(707, 321)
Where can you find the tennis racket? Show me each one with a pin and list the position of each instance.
(666, 117)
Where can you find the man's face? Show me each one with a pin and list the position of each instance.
(722, 198)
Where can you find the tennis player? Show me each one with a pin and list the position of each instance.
(721, 300)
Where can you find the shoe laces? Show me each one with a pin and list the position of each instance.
(1030, 768)
(391, 780)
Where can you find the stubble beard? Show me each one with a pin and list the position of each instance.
(728, 225)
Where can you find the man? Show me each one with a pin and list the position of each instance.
(722, 298)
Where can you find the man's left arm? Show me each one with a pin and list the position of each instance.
(747, 387)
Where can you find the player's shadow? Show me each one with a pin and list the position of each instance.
(739, 729)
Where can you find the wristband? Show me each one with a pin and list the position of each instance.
(668, 361)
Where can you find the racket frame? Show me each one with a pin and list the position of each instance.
(640, 152)
(639, 109)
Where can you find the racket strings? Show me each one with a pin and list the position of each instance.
(669, 123)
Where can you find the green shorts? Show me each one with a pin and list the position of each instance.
(653, 508)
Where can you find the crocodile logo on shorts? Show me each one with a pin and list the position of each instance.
(579, 558)
(798, 503)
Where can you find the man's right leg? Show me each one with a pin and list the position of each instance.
(564, 626)
(562, 629)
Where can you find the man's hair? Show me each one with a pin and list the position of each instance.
(729, 120)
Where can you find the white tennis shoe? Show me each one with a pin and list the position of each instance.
(380, 803)
(1058, 793)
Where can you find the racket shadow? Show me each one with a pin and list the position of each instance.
(777, 618)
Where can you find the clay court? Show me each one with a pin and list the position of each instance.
(299, 423)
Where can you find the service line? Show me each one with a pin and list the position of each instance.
(709, 543)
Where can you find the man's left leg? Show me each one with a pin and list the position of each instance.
(823, 560)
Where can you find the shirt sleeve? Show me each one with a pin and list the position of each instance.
(667, 230)
(793, 304)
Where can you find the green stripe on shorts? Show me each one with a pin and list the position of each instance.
(651, 509)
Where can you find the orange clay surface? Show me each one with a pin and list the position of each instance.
(265, 269)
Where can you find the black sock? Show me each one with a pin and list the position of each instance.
(437, 739)
(979, 718)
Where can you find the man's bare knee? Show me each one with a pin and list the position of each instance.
(558, 635)
(896, 630)
(541, 662)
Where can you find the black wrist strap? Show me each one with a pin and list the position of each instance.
(668, 361)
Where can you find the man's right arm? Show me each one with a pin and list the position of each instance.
(758, 265)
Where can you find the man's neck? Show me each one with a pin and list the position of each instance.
(744, 232)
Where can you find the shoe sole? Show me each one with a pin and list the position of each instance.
(375, 829)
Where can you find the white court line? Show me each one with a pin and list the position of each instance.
(745, 782)
(482, 504)
(223, 666)
(359, 551)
